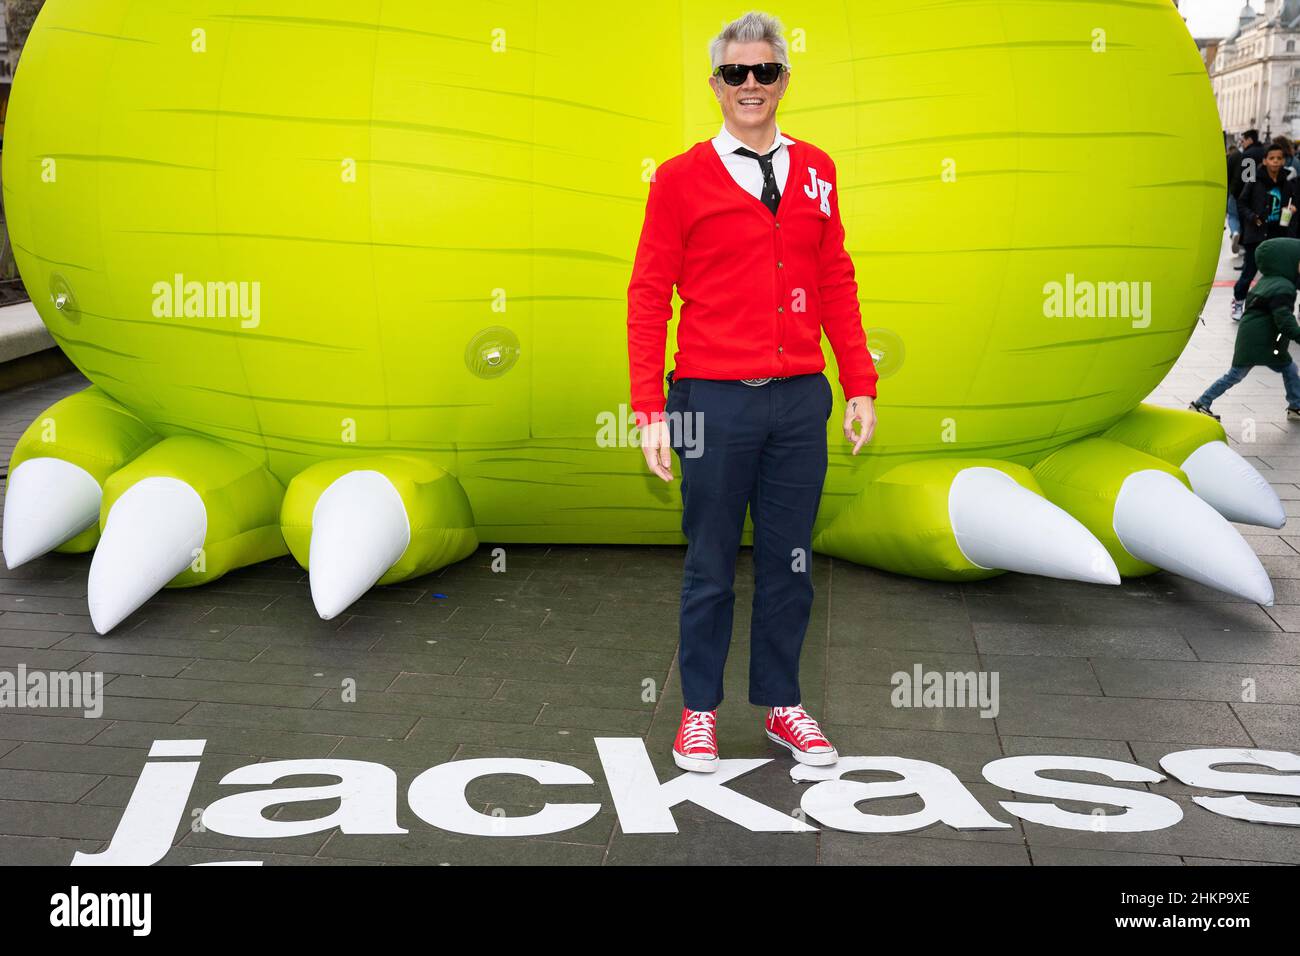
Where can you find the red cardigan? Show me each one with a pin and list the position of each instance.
(756, 289)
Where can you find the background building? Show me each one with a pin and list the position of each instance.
(1256, 70)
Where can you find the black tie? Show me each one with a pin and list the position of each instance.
(771, 195)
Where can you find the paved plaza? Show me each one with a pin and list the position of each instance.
(576, 643)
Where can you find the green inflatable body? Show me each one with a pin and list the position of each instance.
(349, 279)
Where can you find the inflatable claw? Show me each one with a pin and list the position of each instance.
(956, 520)
(1145, 513)
(57, 474)
(1198, 445)
(354, 523)
(183, 513)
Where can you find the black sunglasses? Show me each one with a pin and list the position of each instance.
(733, 74)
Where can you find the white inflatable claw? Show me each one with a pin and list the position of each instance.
(359, 530)
(1162, 523)
(1001, 524)
(48, 502)
(1232, 486)
(153, 533)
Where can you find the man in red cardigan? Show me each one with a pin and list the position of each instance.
(747, 227)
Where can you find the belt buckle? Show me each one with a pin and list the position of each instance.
(755, 381)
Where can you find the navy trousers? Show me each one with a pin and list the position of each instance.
(762, 449)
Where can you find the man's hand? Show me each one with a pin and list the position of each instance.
(860, 409)
(656, 445)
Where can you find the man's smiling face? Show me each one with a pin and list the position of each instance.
(751, 105)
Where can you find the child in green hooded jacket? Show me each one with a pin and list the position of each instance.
(1268, 325)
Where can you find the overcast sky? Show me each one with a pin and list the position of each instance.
(1214, 18)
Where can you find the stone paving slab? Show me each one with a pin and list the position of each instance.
(576, 643)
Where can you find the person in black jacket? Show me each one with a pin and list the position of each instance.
(1267, 207)
(1244, 165)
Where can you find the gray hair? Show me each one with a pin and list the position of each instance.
(753, 27)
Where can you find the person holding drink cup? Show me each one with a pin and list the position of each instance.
(1267, 207)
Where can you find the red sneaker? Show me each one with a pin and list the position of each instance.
(696, 747)
(792, 728)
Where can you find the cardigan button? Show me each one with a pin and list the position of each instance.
(780, 348)
(780, 308)
(780, 265)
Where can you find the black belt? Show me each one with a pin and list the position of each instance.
(671, 377)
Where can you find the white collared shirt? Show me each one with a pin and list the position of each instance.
(747, 172)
